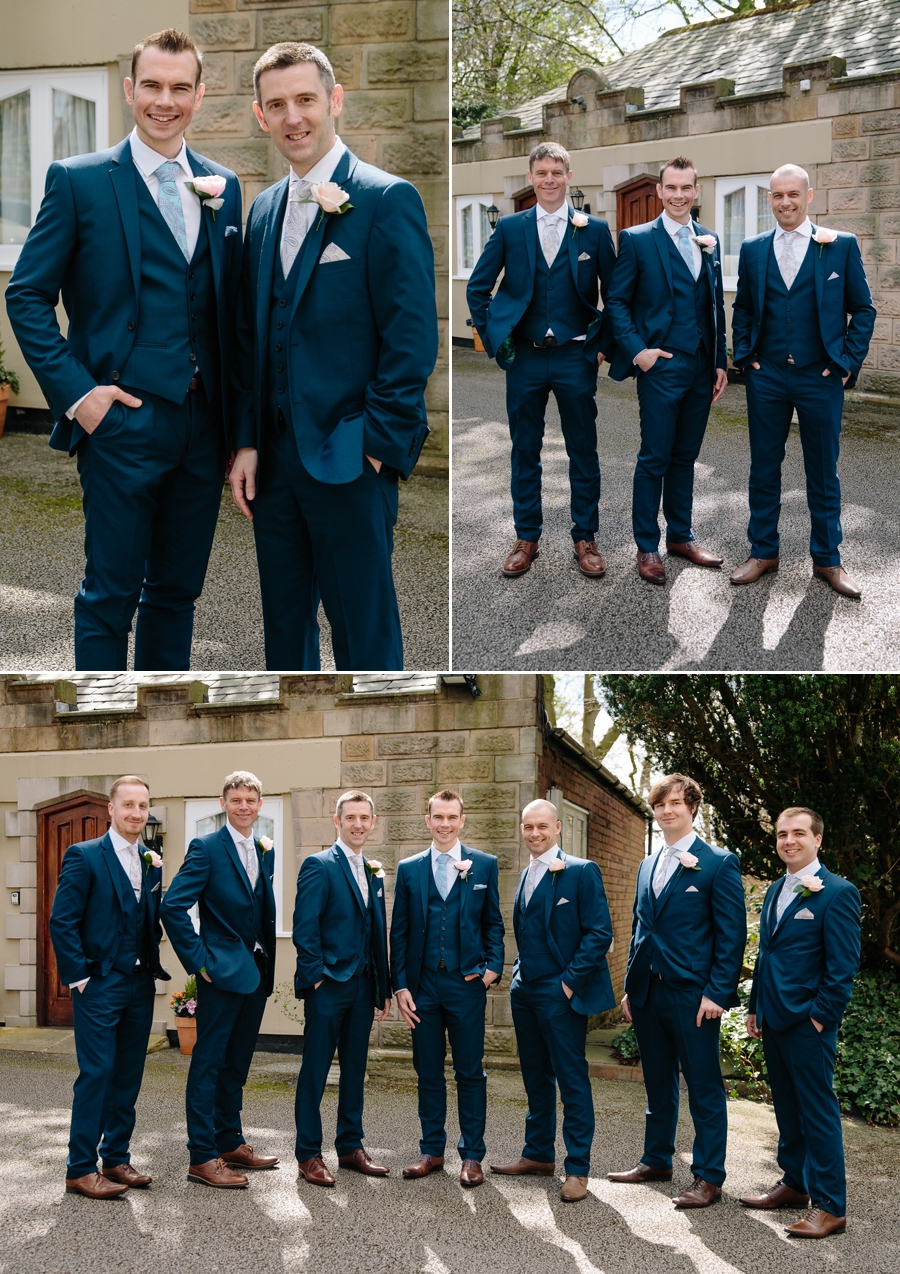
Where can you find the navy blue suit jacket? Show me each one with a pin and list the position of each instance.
(694, 934)
(579, 930)
(512, 250)
(362, 331)
(86, 245)
(213, 875)
(841, 289)
(89, 908)
(805, 968)
(329, 925)
(480, 921)
(640, 295)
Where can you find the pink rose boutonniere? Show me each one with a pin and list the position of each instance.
(152, 859)
(579, 221)
(376, 871)
(688, 860)
(557, 864)
(208, 190)
(464, 868)
(822, 235)
(265, 843)
(707, 242)
(331, 198)
(809, 885)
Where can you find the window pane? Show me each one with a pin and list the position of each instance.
(466, 245)
(73, 125)
(15, 168)
(734, 230)
(485, 226)
(764, 219)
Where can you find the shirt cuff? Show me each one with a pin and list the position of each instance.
(73, 986)
(71, 414)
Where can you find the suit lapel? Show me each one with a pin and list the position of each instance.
(232, 851)
(215, 242)
(424, 872)
(348, 872)
(661, 239)
(766, 920)
(115, 869)
(124, 177)
(818, 269)
(529, 224)
(793, 906)
(318, 232)
(765, 245)
(572, 245)
(268, 254)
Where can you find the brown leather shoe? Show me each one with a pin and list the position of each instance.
(246, 1157)
(590, 562)
(839, 580)
(315, 1172)
(520, 559)
(217, 1174)
(817, 1224)
(359, 1161)
(125, 1175)
(694, 553)
(635, 1176)
(423, 1165)
(650, 568)
(471, 1173)
(95, 1186)
(752, 569)
(780, 1196)
(573, 1189)
(699, 1194)
(522, 1167)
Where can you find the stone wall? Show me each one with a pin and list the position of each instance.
(392, 57)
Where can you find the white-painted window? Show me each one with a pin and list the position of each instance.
(472, 231)
(203, 817)
(44, 115)
(574, 819)
(742, 210)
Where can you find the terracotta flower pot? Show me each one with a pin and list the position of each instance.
(187, 1034)
(4, 399)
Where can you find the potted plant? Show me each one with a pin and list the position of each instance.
(8, 381)
(185, 1005)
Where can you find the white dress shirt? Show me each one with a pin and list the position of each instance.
(667, 861)
(673, 226)
(788, 889)
(320, 172)
(537, 870)
(125, 856)
(562, 215)
(246, 848)
(804, 230)
(358, 867)
(454, 853)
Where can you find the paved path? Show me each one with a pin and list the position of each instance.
(555, 618)
(42, 560)
(364, 1226)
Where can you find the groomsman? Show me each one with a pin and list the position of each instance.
(447, 949)
(338, 333)
(796, 286)
(802, 984)
(545, 330)
(560, 977)
(233, 957)
(342, 975)
(148, 266)
(688, 935)
(105, 930)
(668, 315)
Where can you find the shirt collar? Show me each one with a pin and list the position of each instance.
(681, 845)
(148, 160)
(548, 855)
(347, 850)
(562, 213)
(673, 226)
(323, 170)
(805, 228)
(455, 851)
(236, 836)
(119, 842)
(809, 870)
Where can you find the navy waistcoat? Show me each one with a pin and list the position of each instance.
(691, 307)
(177, 323)
(442, 923)
(535, 958)
(554, 301)
(790, 319)
(283, 290)
(134, 944)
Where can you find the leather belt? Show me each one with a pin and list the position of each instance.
(196, 383)
(656, 976)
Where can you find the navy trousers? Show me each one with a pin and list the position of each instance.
(573, 381)
(675, 397)
(448, 1005)
(227, 1027)
(551, 1038)
(338, 1017)
(113, 1017)
(330, 541)
(668, 1037)
(151, 479)
(800, 1062)
(773, 392)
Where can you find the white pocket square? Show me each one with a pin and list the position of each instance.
(479, 886)
(155, 887)
(380, 892)
(230, 230)
(804, 914)
(585, 256)
(333, 253)
(832, 275)
(561, 901)
(692, 889)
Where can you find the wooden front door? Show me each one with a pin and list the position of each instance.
(637, 203)
(83, 816)
(527, 199)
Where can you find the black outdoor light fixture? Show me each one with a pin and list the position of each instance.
(580, 103)
(151, 835)
(577, 197)
(462, 679)
(493, 215)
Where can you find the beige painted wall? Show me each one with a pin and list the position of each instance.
(51, 33)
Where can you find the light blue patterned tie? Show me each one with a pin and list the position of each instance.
(684, 247)
(440, 875)
(170, 204)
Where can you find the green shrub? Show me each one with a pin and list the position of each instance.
(625, 1047)
(867, 1071)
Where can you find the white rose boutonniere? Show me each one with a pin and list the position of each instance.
(707, 243)
(579, 221)
(557, 864)
(152, 859)
(464, 868)
(688, 860)
(331, 198)
(208, 190)
(822, 235)
(376, 871)
(265, 843)
(809, 885)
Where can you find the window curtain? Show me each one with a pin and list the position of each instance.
(74, 130)
(15, 168)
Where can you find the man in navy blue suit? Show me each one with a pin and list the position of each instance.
(802, 983)
(688, 935)
(232, 954)
(544, 328)
(796, 286)
(668, 316)
(148, 266)
(560, 977)
(338, 333)
(343, 976)
(105, 930)
(446, 950)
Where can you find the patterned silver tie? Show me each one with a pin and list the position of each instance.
(550, 238)
(787, 257)
(359, 871)
(440, 875)
(134, 871)
(296, 225)
(663, 871)
(170, 204)
(251, 862)
(685, 247)
(531, 879)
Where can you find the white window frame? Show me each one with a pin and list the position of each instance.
(568, 809)
(273, 808)
(726, 186)
(469, 201)
(91, 83)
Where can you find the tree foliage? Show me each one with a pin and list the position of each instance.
(758, 743)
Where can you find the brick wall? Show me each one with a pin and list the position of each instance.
(392, 57)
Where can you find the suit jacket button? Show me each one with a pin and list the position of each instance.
(193, 360)
(115, 375)
(669, 312)
(132, 325)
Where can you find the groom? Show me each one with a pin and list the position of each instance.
(338, 336)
